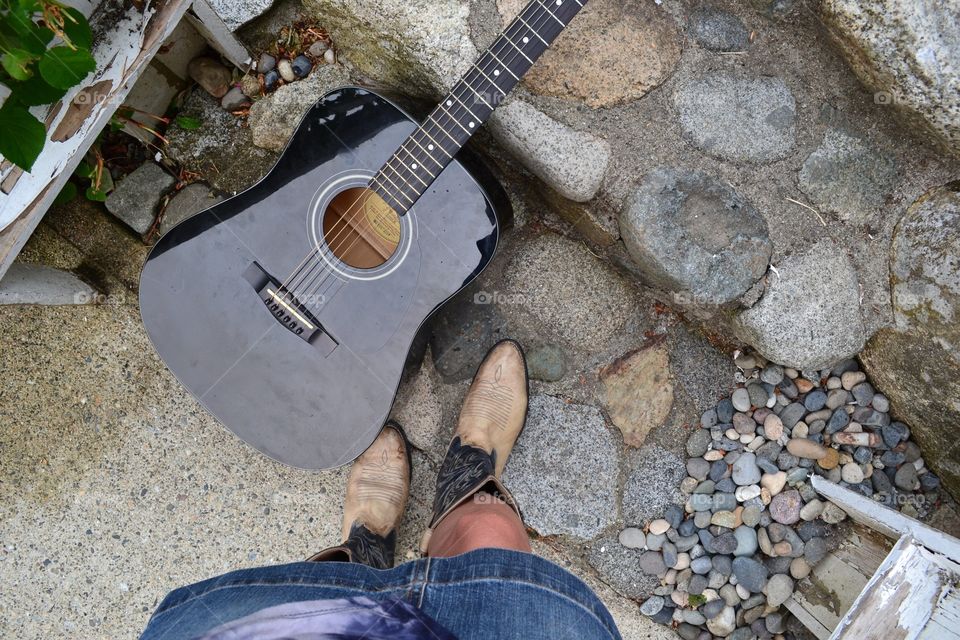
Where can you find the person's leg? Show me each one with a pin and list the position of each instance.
(377, 492)
(481, 523)
(472, 509)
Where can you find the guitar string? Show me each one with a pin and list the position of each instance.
(312, 287)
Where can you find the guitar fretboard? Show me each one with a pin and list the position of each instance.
(420, 159)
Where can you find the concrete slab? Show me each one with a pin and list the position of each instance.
(39, 284)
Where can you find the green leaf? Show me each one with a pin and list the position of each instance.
(35, 91)
(96, 195)
(64, 67)
(68, 193)
(77, 28)
(83, 170)
(21, 135)
(16, 62)
(188, 123)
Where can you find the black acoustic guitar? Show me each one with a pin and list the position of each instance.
(289, 310)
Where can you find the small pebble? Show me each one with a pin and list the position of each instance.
(330, 56)
(317, 49)
(741, 399)
(266, 63)
(850, 379)
(632, 538)
(301, 66)
(270, 80)
(285, 67)
(852, 473)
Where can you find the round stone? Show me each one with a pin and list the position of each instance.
(741, 399)
(652, 606)
(659, 526)
(301, 66)
(632, 538)
(698, 442)
(698, 468)
(774, 482)
(750, 516)
(852, 473)
(724, 623)
(811, 510)
(815, 400)
(651, 563)
(745, 470)
(772, 427)
(746, 541)
(785, 507)
(285, 67)
(830, 460)
(779, 589)
(701, 565)
(799, 568)
(751, 575)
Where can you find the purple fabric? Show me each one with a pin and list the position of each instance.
(359, 618)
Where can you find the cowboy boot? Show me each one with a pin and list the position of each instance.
(493, 414)
(377, 492)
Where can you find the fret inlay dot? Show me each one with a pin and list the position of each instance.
(496, 72)
(526, 40)
(449, 103)
(471, 125)
(430, 147)
(413, 166)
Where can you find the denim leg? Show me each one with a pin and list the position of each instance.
(191, 611)
(510, 595)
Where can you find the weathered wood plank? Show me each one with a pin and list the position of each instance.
(902, 599)
(74, 125)
(887, 521)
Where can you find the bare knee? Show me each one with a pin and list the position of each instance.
(479, 525)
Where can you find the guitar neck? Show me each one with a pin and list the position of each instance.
(420, 159)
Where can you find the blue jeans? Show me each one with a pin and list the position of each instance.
(493, 594)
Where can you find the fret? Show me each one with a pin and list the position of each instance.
(517, 48)
(413, 139)
(412, 169)
(561, 22)
(532, 30)
(471, 101)
(477, 94)
(418, 164)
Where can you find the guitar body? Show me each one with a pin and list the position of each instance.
(311, 381)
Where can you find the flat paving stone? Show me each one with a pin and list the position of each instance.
(653, 485)
(564, 468)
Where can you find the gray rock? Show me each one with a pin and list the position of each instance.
(701, 565)
(136, 197)
(737, 118)
(751, 575)
(655, 541)
(695, 236)
(718, 30)
(745, 470)
(562, 285)
(746, 541)
(571, 162)
(266, 63)
(234, 99)
(652, 486)
(652, 606)
(814, 550)
(187, 202)
(698, 468)
(741, 399)
(779, 589)
(698, 443)
(915, 363)
(847, 177)
(275, 117)
(725, 544)
(236, 12)
(669, 553)
(723, 624)
(632, 538)
(713, 608)
(538, 476)
(772, 374)
(809, 315)
(547, 363)
(25, 283)
(651, 563)
(792, 414)
(815, 400)
(212, 76)
(907, 478)
(905, 54)
(621, 568)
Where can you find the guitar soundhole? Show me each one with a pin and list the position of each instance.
(360, 228)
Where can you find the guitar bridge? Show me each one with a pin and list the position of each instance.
(288, 310)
